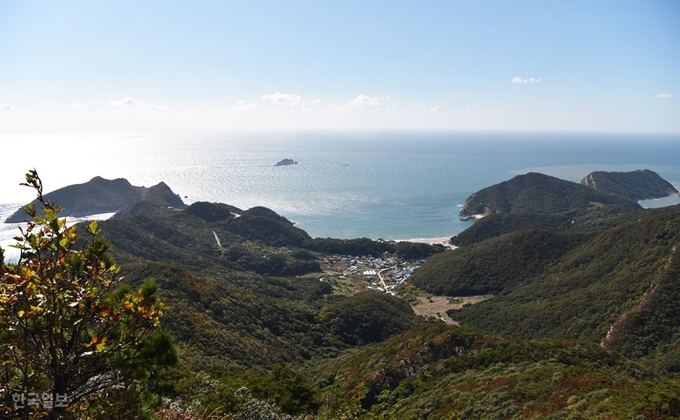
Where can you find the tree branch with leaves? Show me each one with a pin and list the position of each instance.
(69, 326)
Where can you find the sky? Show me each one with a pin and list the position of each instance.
(199, 65)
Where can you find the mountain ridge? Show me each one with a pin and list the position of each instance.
(100, 195)
(542, 194)
(641, 184)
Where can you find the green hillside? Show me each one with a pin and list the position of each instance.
(574, 286)
(250, 243)
(642, 184)
(440, 372)
(368, 317)
(233, 316)
(498, 224)
(542, 194)
(494, 266)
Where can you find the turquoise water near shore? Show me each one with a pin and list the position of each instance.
(390, 185)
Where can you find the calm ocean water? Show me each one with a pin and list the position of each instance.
(399, 185)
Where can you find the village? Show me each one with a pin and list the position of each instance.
(383, 273)
(350, 274)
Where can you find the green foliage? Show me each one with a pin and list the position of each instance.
(625, 277)
(67, 330)
(294, 393)
(642, 184)
(543, 194)
(189, 241)
(180, 239)
(365, 246)
(212, 212)
(368, 317)
(442, 372)
(650, 330)
(413, 250)
(360, 246)
(499, 224)
(272, 263)
(269, 229)
(494, 266)
(226, 319)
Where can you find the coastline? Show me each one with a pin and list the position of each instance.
(432, 241)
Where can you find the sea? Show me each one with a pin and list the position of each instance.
(396, 185)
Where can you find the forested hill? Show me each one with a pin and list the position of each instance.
(642, 184)
(621, 283)
(257, 239)
(592, 286)
(542, 194)
(499, 224)
(100, 195)
(445, 372)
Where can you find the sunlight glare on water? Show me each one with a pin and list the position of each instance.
(366, 184)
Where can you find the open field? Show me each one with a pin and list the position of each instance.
(436, 306)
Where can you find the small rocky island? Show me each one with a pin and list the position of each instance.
(286, 162)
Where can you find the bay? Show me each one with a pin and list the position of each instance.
(390, 185)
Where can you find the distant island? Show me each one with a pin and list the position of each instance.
(286, 162)
(100, 195)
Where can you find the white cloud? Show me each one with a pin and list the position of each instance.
(436, 108)
(197, 110)
(153, 108)
(128, 102)
(238, 107)
(519, 81)
(77, 107)
(9, 108)
(359, 104)
(362, 101)
(294, 101)
(317, 102)
(242, 105)
(664, 95)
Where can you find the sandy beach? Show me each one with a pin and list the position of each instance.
(433, 241)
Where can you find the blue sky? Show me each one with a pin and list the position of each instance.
(68, 66)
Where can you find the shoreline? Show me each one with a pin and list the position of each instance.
(431, 241)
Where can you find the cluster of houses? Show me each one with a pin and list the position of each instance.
(384, 272)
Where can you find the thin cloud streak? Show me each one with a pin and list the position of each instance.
(519, 81)
(664, 95)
